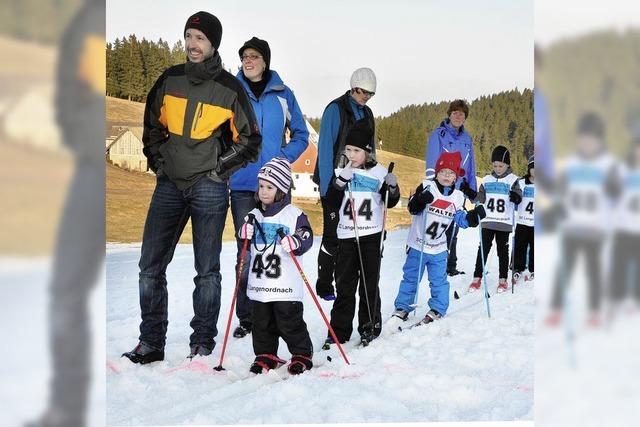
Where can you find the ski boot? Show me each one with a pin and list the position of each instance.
(515, 278)
(454, 272)
(400, 314)
(327, 343)
(243, 330)
(475, 284)
(299, 364)
(528, 277)
(431, 316)
(265, 362)
(502, 286)
(553, 319)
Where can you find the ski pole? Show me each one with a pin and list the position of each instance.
(484, 276)
(513, 248)
(235, 296)
(362, 275)
(384, 222)
(422, 232)
(315, 300)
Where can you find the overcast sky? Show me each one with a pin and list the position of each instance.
(421, 50)
(555, 20)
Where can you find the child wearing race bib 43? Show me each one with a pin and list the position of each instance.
(274, 283)
(500, 193)
(435, 206)
(359, 190)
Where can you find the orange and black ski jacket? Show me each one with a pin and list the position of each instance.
(198, 119)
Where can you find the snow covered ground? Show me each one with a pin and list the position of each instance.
(465, 367)
(25, 369)
(591, 380)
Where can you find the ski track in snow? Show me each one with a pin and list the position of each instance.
(464, 367)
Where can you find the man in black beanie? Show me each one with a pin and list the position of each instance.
(199, 128)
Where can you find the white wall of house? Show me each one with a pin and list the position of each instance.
(127, 153)
(303, 186)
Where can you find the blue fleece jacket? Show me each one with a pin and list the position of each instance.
(329, 129)
(276, 110)
(447, 138)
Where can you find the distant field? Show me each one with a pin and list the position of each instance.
(128, 193)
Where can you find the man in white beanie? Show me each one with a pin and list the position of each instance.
(338, 118)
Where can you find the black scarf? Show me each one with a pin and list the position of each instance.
(205, 70)
(257, 88)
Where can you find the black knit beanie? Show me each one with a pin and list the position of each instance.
(208, 24)
(360, 135)
(261, 46)
(591, 124)
(501, 154)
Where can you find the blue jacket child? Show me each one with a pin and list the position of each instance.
(435, 205)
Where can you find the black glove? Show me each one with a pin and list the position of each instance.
(515, 197)
(423, 195)
(475, 215)
(467, 190)
(420, 200)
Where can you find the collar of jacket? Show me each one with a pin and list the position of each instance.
(446, 123)
(205, 70)
(355, 105)
(507, 172)
(275, 83)
(276, 207)
(442, 188)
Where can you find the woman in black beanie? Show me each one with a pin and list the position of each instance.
(277, 111)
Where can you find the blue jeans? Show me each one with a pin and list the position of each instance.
(436, 267)
(206, 202)
(242, 202)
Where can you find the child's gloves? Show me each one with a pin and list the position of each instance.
(514, 197)
(420, 200)
(467, 190)
(246, 231)
(289, 243)
(345, 175)
(475, 215)
(391, 180)
(424, 196)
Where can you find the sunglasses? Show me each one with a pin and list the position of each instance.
(365, 92)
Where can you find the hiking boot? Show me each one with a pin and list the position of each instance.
(242, 330)
(265, 362)
(144, 354)
(299, 364)
(199, 350)
(475, 284)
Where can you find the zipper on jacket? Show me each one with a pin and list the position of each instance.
(198, 115)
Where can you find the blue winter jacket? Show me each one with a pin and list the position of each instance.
(447, 138)
(276, 110)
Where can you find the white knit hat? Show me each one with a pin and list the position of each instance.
(277, 171)
(364, 78)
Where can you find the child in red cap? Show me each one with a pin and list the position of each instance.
(435, 206)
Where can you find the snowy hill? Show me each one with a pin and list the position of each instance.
(464, 367)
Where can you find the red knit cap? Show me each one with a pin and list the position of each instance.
(450, 161)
